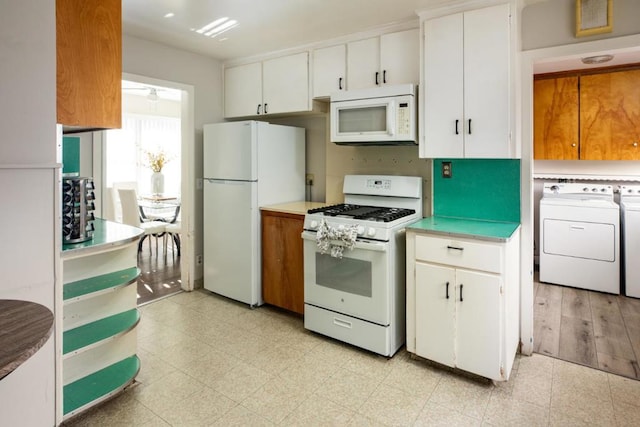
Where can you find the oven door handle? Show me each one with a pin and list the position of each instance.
(368, 246)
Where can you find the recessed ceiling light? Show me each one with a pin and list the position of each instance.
(598, 59)
(170, 15)
(211, 25)
(217, 27)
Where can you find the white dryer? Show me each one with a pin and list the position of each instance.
(580, 237)
(630, 222)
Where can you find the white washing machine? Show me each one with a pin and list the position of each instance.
(630, 222)
(580, 237)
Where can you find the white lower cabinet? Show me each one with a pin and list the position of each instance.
(462, 313)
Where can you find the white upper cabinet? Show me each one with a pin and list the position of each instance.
(279, 85)
(329, 70)
(389, 59)
(285, 84)
(242, 90)
(467, 85)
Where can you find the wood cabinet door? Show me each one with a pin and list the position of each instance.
(435, 305)
(243, 90)
(89, 63)
(285, 84)
(363, 62)
(610, 116)
(282, 261)
(329, 70)
(479, 320)
(555, 118)
(400, 57)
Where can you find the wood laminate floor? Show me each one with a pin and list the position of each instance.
(594, 329)
(160, 272)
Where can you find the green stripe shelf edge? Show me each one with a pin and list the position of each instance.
(99, 283)
(100, 384)
(94, 332)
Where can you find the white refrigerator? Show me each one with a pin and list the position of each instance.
(246, 165)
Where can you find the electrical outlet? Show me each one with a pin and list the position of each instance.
(308, 179)
(198, 259)
(446, 170)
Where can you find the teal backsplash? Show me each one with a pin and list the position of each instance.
(486, 189)
(70, 154)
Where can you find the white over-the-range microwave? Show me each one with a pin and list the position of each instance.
(383, 115)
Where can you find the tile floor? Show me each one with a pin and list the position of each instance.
(209, 361)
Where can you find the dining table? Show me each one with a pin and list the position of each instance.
(159, 208)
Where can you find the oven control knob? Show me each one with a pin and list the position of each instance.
(371, 232)
(314, 224)
(360, 230)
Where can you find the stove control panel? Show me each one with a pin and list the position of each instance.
(380, 184)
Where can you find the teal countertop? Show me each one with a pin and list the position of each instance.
(465, 227)
(107, 235)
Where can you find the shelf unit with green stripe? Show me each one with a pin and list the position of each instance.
(100, 318)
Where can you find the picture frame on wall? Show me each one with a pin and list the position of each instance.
(593, 17)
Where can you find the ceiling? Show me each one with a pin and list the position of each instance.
(263, 25)
(273, 25)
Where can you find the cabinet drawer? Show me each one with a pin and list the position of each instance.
(459, 253)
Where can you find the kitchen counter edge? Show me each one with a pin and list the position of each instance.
(493, 231)
(108, 235)
(299, 208)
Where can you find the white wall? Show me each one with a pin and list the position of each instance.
(145, 58)
(552, 23)
(28, 180)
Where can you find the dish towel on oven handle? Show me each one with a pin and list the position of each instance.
(326, 235)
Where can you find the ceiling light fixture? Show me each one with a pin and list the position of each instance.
(222, 28)
(598, 59)
(211, 25)
(170, 15)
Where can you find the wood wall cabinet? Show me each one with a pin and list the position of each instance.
(555, 124)
(468, 84)
(388, 59)
(463, 296)
(610, 116)
(594, 116)
(274, 86)
(89, 63)
(282, 260)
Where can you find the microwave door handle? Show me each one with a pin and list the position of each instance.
(391, 118)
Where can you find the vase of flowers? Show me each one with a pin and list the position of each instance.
(156, 161)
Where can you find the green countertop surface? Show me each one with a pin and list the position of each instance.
(106, 235)
(465, 227)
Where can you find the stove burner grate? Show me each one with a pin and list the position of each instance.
(368, 213)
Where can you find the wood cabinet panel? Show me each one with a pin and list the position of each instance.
(282, 260)
(555, 123)
(89, 63)
(610, 116)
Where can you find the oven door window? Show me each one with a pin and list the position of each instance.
(357, 284)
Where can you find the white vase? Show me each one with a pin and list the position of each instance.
(157, 183)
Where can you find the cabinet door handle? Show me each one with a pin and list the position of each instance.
(447, 288)
(258, 110)
(455, 248)
(340, 83)
(460, 292)
(265, 108)
(469, 126)
(457, 121)
(377, 73)
(384, 76)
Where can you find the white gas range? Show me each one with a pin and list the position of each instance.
(354, 262)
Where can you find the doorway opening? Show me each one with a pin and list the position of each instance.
(585, 327)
